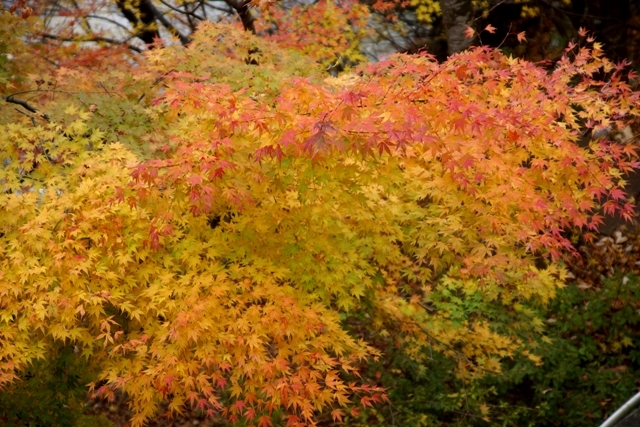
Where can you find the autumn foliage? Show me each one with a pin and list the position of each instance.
(224, 227)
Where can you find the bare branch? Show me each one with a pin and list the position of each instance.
(164, 21)
(228, 9)
(91, 39)
(111, 21)
(183, 12)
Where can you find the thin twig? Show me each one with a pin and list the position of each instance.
(111, 21)
(182, 12)
(91, 39)
(490, 10)
(505, 37)
(33, 120)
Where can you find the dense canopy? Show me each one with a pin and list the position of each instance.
(224, 226)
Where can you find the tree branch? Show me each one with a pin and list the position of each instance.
(26, 106)
(244, 12)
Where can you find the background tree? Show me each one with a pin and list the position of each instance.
(340, 33)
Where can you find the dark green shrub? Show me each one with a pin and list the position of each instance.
(591, 366)
(51, 393)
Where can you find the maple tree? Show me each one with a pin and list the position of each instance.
(222, 226)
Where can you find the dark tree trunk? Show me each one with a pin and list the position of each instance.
(456, 15)
(242, 7)
(146, 15)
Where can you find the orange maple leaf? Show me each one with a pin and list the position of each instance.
(490, 29)
(469, 32)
